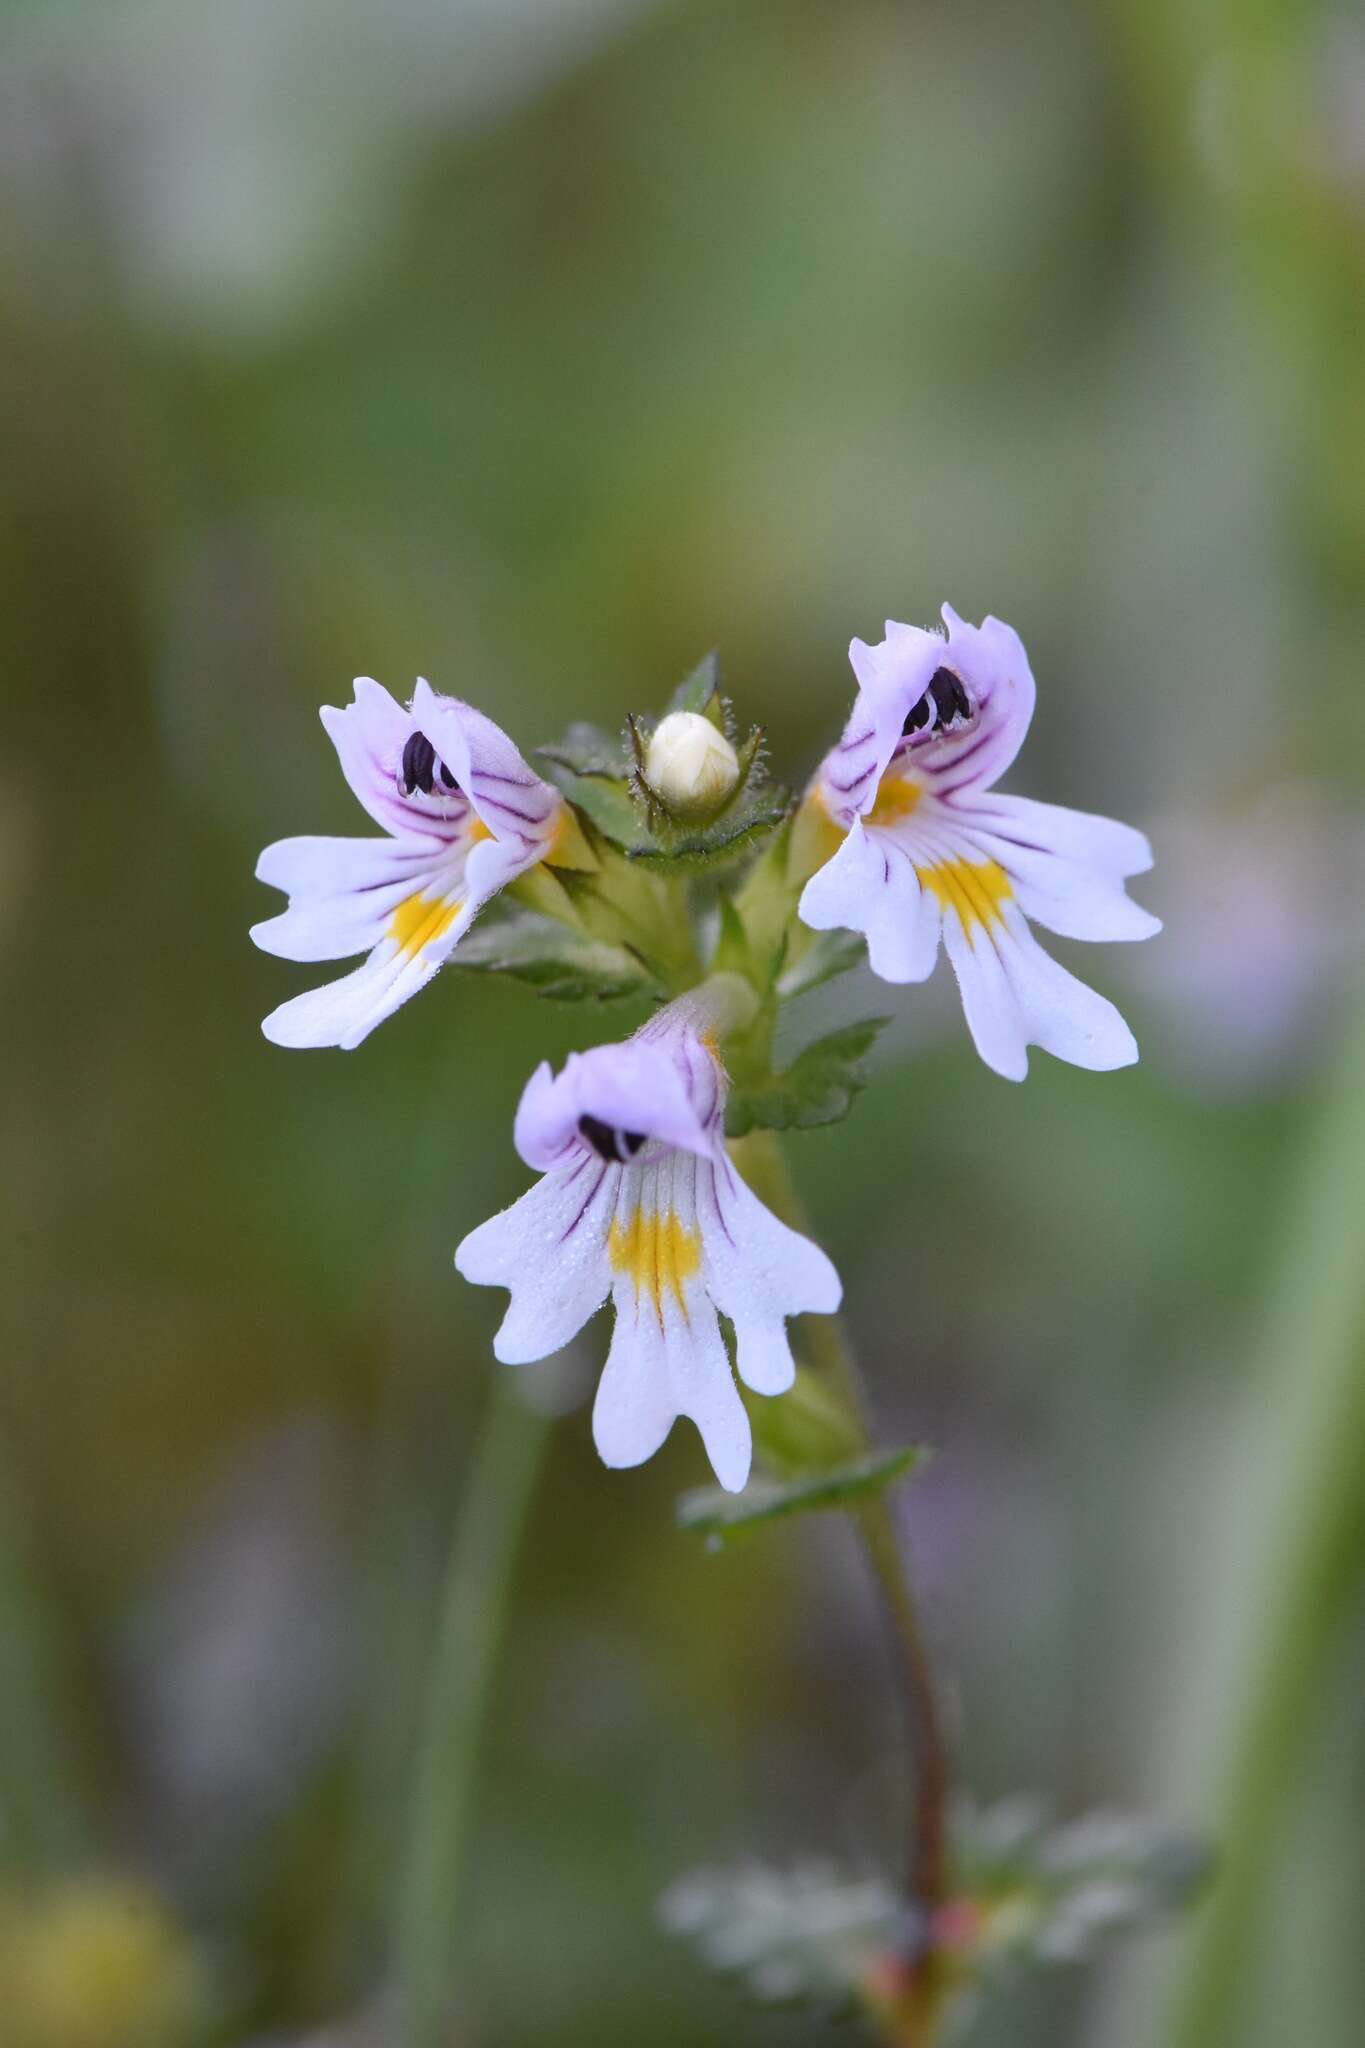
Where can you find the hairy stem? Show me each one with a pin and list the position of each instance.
(763, 1163)
(929, 1837)
(489, 1527)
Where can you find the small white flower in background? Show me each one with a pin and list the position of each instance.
(464, 817)
(690, 762)
(930, 851)
(640, 1201)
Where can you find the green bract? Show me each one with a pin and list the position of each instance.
(556, 960)
(605, 779)
(817, 1088)
(723, 1517)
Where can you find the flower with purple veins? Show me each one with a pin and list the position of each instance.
(639, 1201)
(929, 850)
(464, 816)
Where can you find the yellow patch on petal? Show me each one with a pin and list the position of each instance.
(659, 1252)
(898, 793)
(420, 919)
(476, 830)
(975, 889)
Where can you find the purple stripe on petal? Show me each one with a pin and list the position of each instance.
(846, 788)
(586, 1204)
(500, 805)
(959, 762)
(717, 1206)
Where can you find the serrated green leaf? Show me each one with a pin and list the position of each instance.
(555, 960)
(605, 801)
(587, 750)
(723, 1517)
(699, 692)
(817, 1088)
(1053, 1896)
(725, 839)
(810, 1933)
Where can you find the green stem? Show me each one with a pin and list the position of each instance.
(929, 1838)
(489, 1527)
(763, 1162)
(1311, 1545)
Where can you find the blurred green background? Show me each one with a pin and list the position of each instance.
(537, 346)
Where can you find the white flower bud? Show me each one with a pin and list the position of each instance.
(690, 763)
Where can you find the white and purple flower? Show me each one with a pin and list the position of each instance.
(640, 1201)
(464, 817)
(929, 851)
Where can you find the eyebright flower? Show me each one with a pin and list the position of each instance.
(929, 850)
(640, 1201)
(464, 816)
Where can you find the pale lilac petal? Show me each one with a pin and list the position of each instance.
(1076, 905)
(513, 802)
(892, 676)
(634, 1408)
(870, 886)
(345, 1012)
(1065, 1017)
(988, 1002)
(991, 661)
(332, 930)
(1067, 868)
(662, 1365)
(314, 866)
(549, 1250)
(1015, 995)
(491, 864)
(639, 1086)
(758, 1272)
(343, 894)
(667, 1357)
(369, 736)
(1080, 836)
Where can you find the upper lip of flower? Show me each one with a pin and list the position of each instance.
(661, 1086)
(986, 663)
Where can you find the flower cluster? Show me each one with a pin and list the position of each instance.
(901, 837)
